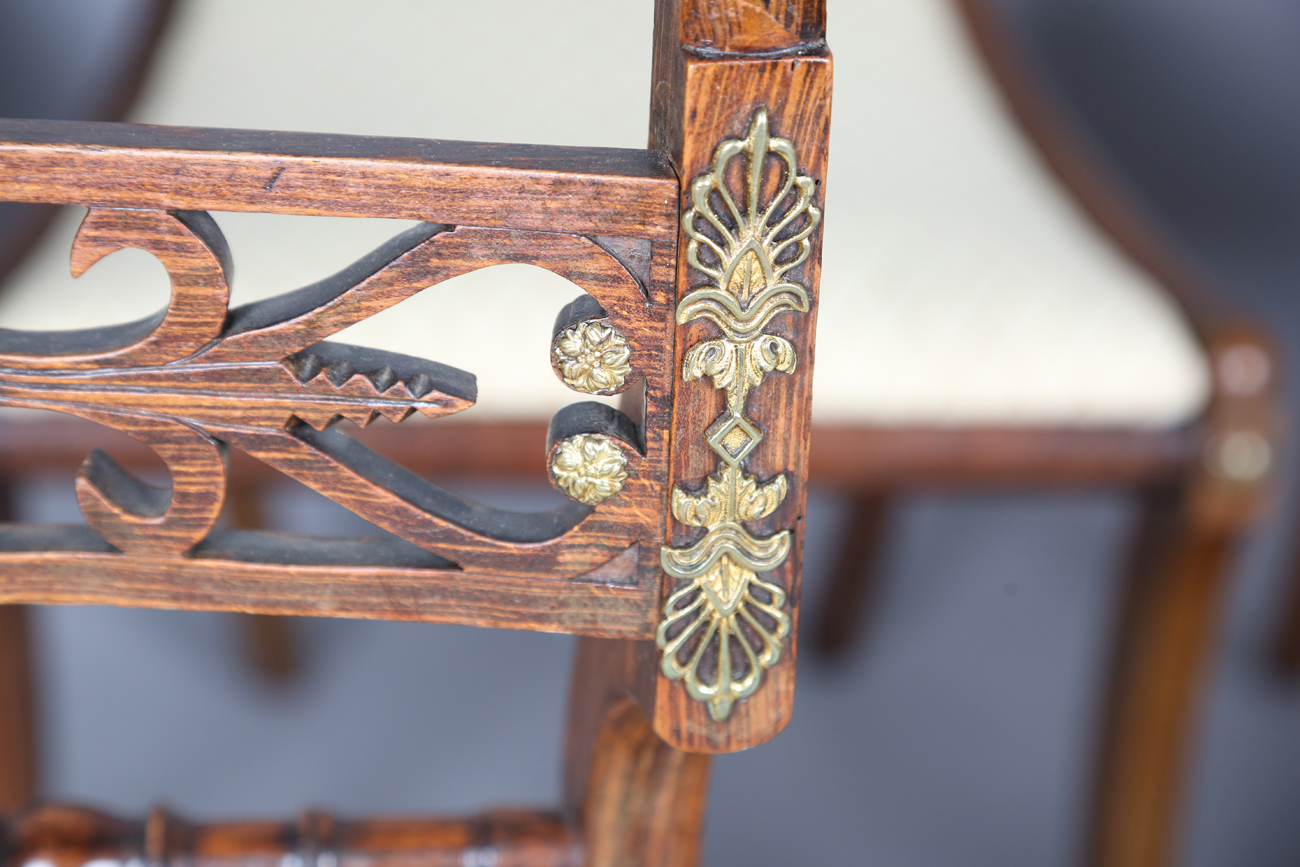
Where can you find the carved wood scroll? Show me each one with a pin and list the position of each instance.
(198, 379)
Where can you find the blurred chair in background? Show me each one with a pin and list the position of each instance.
(1000, 312)
(1013, 318)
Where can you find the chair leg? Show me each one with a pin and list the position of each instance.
(271, 647)
(1288, 649)
(639, 801)
(17, 719)
(1167, 631)
(853, 579)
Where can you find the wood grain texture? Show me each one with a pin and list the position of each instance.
(753, 26)
(197, 382)
(640, 802)
(496, 449)
(70, 836)
(689, 121)
(855, 459)
(631, 801)
(600, 191)
(194, 253)
(268, 387)
(267, 573)
(193, 380)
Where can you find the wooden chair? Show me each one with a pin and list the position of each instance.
(1194, 440)
(1091, 351)
(698, 299)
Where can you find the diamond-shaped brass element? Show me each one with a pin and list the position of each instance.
(733, 437)
(735, 440)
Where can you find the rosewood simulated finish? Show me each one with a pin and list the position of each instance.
(631, 801)
(196, 380)
(245, 393)
(116, 85)
(593, 191)
(843, 457)
(639, 800)
(199, 380)
(749, 28)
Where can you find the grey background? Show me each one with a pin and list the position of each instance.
(961, 732)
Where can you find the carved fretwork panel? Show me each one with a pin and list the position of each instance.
(198, 380)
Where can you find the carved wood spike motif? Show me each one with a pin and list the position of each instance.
(724, 625)
(199, 378)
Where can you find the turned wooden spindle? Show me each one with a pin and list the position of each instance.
(67, 836)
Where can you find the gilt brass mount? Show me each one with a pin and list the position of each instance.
(744, 242)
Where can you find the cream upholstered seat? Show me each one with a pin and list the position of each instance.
(961, 283)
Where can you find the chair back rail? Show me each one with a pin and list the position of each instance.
(699, 262)
(592, 191)
(199, 378)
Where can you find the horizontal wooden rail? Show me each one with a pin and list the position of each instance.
(853, 456)
(590, 191)
(276, 573)
(512, 449)
(842, 455)
(74, 836)
(362, 578)
(54, 565)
